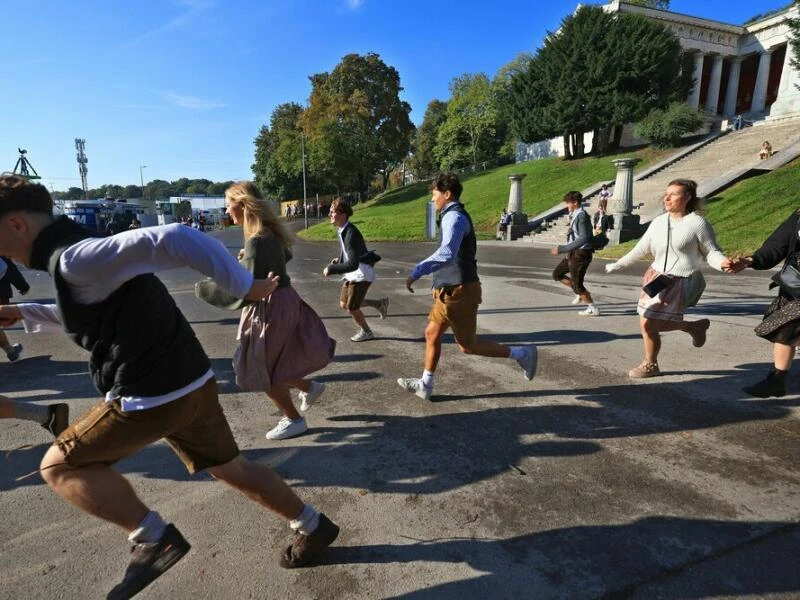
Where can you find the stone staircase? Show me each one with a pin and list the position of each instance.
(714, 166)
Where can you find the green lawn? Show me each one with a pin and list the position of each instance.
(742, 216)
(746, 213)
(399, 214)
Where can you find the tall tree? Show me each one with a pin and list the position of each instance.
(794, 38)
(468, 135)
(356, 123)
(278, 166)
(423, 161)
(599, 70)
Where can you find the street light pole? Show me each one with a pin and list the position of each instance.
(141, 178)
(305, 203)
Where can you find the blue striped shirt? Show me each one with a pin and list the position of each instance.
(454, 226)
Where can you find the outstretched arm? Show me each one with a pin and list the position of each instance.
(94, 268)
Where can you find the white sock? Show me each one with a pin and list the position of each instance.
(150, 529)
(427, 379)
(38, 413)
(307, 521)
(518, 352)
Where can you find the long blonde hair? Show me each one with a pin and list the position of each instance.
(258, 213)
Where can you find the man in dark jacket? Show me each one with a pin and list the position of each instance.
(355, 264)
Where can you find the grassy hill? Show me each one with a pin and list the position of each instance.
(743, 215)
(399, 214)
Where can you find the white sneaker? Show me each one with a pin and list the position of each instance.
(576, 299)
(529, 362)
(286, 428)
(308, 398)
(383, 309)
(363, 336)
(415, 386)
(590, 311)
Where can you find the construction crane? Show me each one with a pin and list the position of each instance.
(24, 168)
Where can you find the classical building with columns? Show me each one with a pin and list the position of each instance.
(738, 69)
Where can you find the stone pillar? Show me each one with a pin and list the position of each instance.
(733, 86)
(712, 99)
(626, 225)
(519, 220)
(760, 91)
(694, 95)
(788, 100)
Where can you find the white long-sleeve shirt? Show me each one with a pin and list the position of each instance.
(691, 240)
(95, 267)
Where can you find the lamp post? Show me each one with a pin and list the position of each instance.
(303, 148)
(141, 178)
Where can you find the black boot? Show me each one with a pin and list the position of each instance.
(773, 384)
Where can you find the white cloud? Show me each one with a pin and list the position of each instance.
(192, 102)
(354, 4)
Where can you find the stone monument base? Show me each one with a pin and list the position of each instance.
(518, 226)
(626, 227)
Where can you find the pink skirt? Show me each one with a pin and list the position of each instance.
(667, 305)
(280, 339)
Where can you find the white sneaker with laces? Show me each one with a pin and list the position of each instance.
(308, 398)
(415, 386)
(576, 299)
(363, 336)
(383, 309)
(590, 311)
(529, 362)
(286, 428)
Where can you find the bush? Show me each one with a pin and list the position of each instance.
(665, 127)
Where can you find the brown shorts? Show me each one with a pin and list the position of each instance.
(575, 266)
(193, 425)
(353, 294)
(457, 307)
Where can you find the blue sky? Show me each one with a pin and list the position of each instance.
(183, 86)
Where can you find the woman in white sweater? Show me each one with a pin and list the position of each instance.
(679, 240)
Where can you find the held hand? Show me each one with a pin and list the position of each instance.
(9, 315)
(554, 251)
(240, 256)
(335, 260)
(262, 288)
(409, 283)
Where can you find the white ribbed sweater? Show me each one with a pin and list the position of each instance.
(691, 239)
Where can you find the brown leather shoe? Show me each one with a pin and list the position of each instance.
(646, 369)
(305, 548)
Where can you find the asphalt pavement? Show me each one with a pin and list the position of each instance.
(578, 484)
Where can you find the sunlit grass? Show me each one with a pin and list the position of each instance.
(399, 214)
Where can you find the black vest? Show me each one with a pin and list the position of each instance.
(140, 344)
(465, 267)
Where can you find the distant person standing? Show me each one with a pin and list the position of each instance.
(571, 271)
(10, 275)
(358, 274)
(456, 291)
